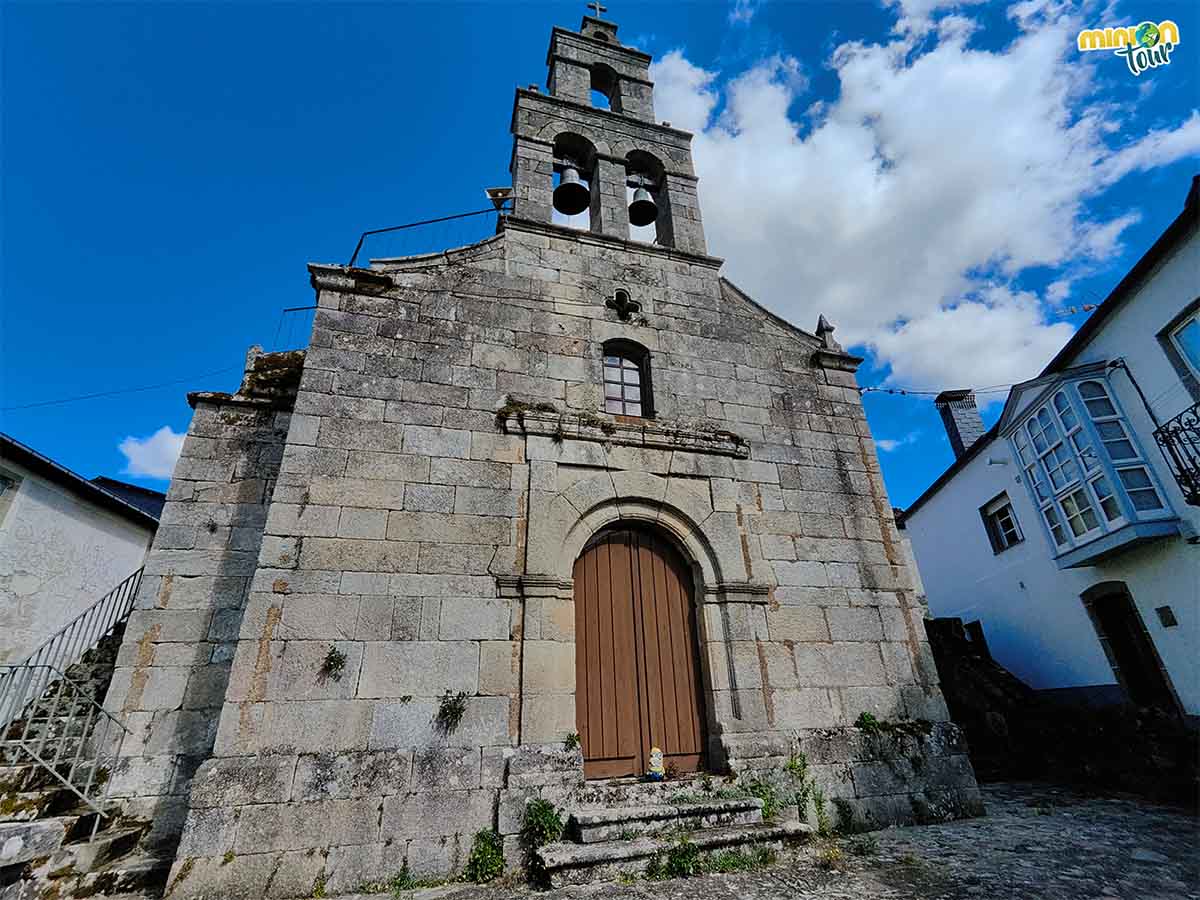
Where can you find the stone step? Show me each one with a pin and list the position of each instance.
(636, 792)
(571, 864)
(22, 841)
(143, 875)
(593, 824)
(129, 877)
(90, 855)
(24, 776)
(25, 806)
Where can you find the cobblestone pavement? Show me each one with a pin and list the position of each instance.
(1037, 841)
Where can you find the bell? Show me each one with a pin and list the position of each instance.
(643, 210)
(572, 196)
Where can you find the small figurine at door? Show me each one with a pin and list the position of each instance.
(657, 770)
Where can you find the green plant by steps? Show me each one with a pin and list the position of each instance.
(818, 798)
(797, 769)
(865, 845)
(680, 860)
(765, 791)
(848, 821)
(399, 884)
(486, 862)
(543, 825)
(683, 859)
(831, 857)
(571, 742)
(451, 709)
(333, 666)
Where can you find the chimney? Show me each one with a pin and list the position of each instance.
(961, 418)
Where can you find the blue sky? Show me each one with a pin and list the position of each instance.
(942, 180)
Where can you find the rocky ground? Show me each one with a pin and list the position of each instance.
(1037, 841)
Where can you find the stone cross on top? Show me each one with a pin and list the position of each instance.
(597, 8)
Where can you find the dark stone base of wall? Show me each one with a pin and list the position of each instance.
(858, 779)
(849, 779)
(1084, 736)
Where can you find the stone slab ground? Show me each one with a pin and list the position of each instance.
(1037, 841)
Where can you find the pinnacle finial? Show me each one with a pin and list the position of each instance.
(597, 8)
(825, 333)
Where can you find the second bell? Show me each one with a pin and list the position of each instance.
(642, 210)
(572, 196)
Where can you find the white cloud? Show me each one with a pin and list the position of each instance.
(904, 208)
(153, 456)
(917, 15)
(742, 11)
(888, 445)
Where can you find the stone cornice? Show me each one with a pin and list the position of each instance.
(562, 57)
(634, 124)
(529, 225)
(650, 434)
(558, 31)
(738, 592)
(221, 398)
(831, 359)
(510, 586)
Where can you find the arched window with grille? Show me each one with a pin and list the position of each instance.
(627, 388)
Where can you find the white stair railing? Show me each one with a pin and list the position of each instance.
(64, 731)
(66, 647)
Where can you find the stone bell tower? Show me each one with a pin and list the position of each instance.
(562, 134)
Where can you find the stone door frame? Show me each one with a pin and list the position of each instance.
(730, 608)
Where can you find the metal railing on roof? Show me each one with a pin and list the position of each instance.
(431, 235)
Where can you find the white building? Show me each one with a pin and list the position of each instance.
(1070, 529)
(65, 542)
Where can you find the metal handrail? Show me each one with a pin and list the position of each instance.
(498, 208)
(1179, 440)
(66, 646)
(63, 730)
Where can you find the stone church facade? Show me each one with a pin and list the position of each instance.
(558, 482)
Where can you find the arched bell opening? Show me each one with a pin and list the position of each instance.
(606, 87)
(575, 192)
(645, 183)
(638, 666)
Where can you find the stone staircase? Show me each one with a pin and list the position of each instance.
(53, 844)
(624, 827)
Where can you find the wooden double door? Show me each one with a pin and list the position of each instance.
(636, 656)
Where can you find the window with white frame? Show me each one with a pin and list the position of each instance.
(1001, 523)
(1084, 467)
(1186, 339)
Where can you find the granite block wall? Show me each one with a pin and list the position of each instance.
(446, 459)
(173, 667)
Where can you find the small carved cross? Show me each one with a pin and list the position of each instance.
(624, 305)
(595, 6)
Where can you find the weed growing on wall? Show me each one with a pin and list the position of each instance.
(333, 666)
(451, 709)
(486, 862)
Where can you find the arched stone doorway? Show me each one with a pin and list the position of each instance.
(637, 660)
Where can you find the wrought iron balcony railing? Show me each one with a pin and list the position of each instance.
(1179, 439)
